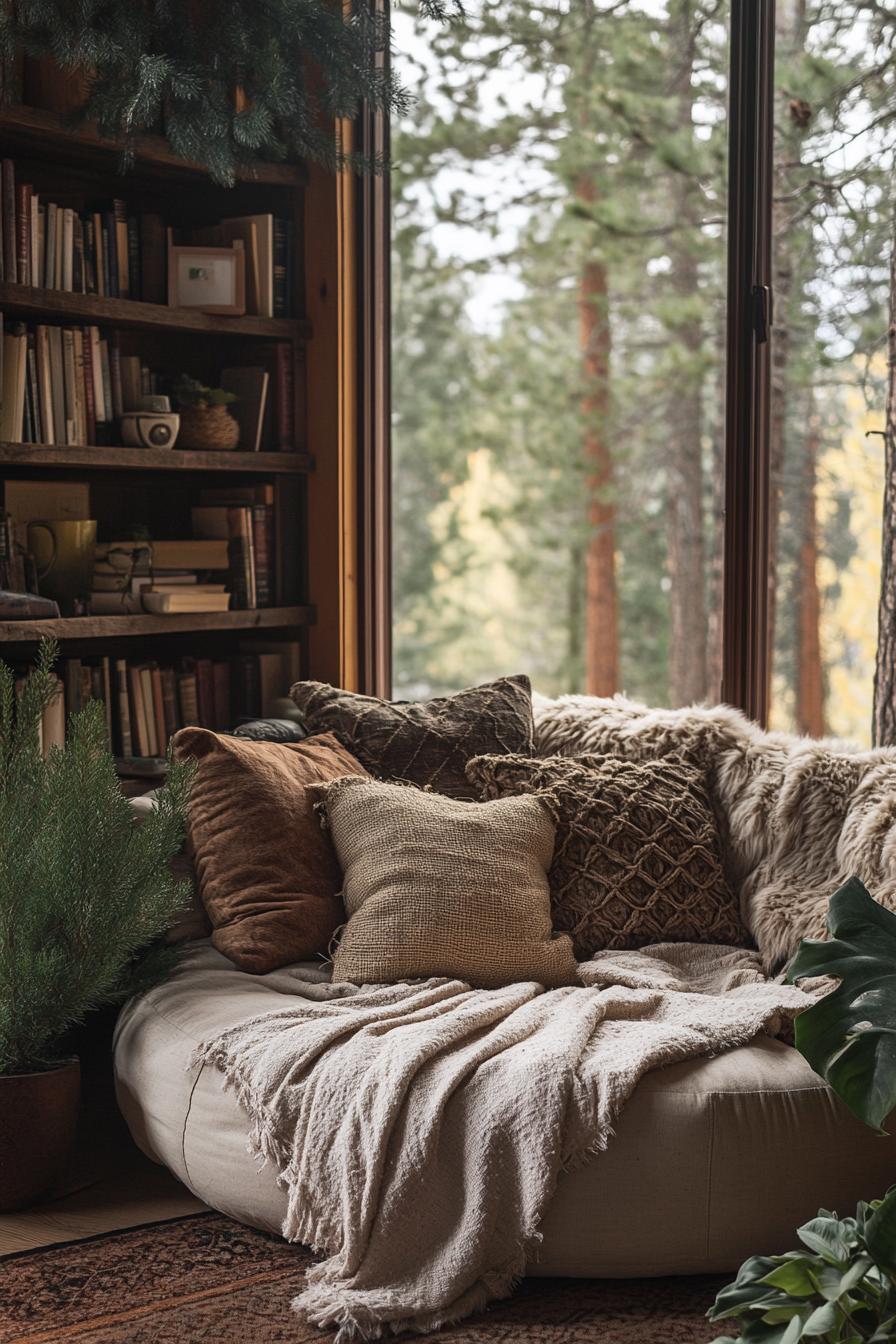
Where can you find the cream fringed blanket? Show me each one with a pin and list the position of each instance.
(419, 1129)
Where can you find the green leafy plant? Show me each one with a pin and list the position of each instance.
(840, 1289)
(297, 64)
(189, 392)
(84, 889)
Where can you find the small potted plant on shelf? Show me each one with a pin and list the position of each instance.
(205, 421)
(85, 891)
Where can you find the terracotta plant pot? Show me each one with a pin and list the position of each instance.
(38, 1116)
(207, 428)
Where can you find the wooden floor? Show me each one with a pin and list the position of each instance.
(109, 1184)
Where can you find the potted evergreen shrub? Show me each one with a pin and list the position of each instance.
(84, 891)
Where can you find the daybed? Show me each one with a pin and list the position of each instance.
(714, 1159)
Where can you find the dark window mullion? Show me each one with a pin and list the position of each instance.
(746, 637)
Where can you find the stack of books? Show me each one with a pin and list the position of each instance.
(109, 251)
(145, 702)
(160, 577)
(227, 563)
(66, 385)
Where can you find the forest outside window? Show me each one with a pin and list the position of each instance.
(559, 312)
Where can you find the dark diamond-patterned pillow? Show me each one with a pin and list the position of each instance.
(427, 743)
(637, 858)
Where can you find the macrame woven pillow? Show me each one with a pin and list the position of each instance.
(637, 858)
(435, 886)
(427, 743)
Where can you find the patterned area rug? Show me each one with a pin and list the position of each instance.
(208, 1280)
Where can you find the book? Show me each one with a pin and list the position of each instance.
(284, 397)
(139, 723)
(190, 553)
(124, 711)
(281, 269)
(8, 185)
(146, 693)
(186, 600)
(250, 386)
(188, 696)
(23, 233)
(53, 721)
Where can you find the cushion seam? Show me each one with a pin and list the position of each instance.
(709, 1169)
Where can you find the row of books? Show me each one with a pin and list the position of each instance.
(107, 251)
(116, 253)
(66, 385)
(146, 702)
(228, 563)
(71, 385)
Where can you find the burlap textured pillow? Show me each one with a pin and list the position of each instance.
(267, 873)
(438, 887)
(637, 858)
(427, 743)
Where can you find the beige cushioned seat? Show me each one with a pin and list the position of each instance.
(713, 1160)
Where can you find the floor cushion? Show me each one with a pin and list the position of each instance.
(713, 1159)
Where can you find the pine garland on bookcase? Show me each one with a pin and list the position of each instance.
(227, 81)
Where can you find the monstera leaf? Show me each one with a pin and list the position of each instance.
(849, 1037)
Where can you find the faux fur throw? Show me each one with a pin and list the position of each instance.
(419, 1129)
(800, 816)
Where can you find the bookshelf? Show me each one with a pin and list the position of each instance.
(158, 488)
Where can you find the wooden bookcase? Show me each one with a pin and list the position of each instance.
(159, 485)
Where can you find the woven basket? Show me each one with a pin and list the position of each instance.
(211, 427)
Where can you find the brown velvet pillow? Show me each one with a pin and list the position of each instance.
(267, 873)
(427, 743)
(637, 857)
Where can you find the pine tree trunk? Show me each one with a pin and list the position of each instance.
(884, 714)
(684, 504)
(790, 23)
(809, 673)
(601, 595)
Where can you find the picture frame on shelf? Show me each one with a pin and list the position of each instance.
(209, 279)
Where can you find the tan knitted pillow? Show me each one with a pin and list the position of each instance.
(637, 857)
(438, 887)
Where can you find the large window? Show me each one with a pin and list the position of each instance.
(558, 350)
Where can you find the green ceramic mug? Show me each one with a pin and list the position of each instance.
(64, 551)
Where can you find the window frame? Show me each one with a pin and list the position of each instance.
(746, 642)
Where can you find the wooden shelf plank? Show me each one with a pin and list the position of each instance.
(40, 304)
(89, 458)
(37, 127)
(123, 627)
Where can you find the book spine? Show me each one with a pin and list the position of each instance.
(34, 276)
(169, 701)
(78, 280)
(135, 286)
(68, 249)
(110, 255)
(99, 243)
(206, 692)
(7, 169)
(124, 708)
(89, 394)
(34, 391)
(281, 268)
(57, 384)
(158, 709)
(138, 712)
(238, 557)
(23, 233)
(188, 696)
(105, 671)
(120, 233)
(262, 534)
(284, 397)
(115, 376)
(221, 684)
(68, 366)
(42, 342)
(50, 246)
(89, 250)
(152, 259)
